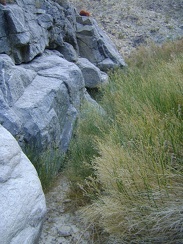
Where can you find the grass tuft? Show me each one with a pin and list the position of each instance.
(48, 164)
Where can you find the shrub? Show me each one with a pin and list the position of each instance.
(48, 164)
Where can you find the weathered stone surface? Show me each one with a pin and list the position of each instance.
(96, 46)
(13, 82)
(31, 26)
(68, 52)
(22, 202)
(13, 79)
(40, 100)
(27, 28)
(92, 75)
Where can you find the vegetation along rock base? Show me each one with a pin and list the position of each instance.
(104, 134)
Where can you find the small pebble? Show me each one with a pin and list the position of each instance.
(64, 231)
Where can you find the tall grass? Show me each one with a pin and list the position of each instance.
(82, 151)
(137, 173)
(47, 163)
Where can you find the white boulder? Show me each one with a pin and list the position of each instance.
(22, 202)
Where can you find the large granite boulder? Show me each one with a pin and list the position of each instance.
(22, 202)
(40, 100)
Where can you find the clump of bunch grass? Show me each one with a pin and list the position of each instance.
(48, 164)
(82, 150)
(138, 172)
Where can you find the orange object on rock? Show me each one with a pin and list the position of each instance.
(3, 2)
(84, 13)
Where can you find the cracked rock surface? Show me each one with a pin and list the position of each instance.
(43, 96)
(41, 83)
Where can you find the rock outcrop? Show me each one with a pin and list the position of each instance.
(93, 76)
(96, 46)
(48, 55)
(22, 202)
(40, 100)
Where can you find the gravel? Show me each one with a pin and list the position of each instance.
(62, 226)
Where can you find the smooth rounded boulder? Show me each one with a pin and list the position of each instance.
(22, 202)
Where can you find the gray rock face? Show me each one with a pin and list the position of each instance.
(27, 28)
(96, 46)
(22, 202)
(93, 76)
(25, 40)
(42, 97)
(68, 52)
